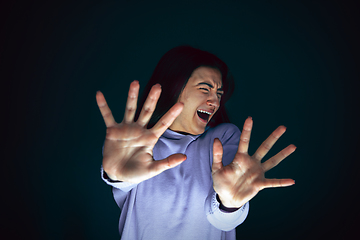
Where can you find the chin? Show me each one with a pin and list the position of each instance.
(198, 131)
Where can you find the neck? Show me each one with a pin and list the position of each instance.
(183, 133)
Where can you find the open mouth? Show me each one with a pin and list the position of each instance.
(203, 115)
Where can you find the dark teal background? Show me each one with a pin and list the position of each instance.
(295, 63)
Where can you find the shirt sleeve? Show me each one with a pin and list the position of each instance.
(224, 221)
(229, 136)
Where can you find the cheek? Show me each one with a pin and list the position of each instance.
(192, 101)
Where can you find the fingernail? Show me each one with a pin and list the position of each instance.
(249, 117)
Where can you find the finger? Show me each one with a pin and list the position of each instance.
(131, 102)
(167, 163)
(275, 160)
(167, 119)
(269, 142)
(149, 105)
(245, 136)
(105, 110)
(217, 155)
(273, 183)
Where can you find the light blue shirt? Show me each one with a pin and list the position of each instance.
(180, 203)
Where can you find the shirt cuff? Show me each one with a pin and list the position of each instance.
(123, 186)
(223, 208)
(222, 220)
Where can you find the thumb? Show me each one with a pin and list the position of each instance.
(217, 155)
(167, 163)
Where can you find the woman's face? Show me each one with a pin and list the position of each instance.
(201, 98)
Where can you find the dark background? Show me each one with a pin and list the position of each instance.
(295, 63)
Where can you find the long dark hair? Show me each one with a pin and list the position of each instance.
(172, 73)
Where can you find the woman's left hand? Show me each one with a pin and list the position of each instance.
(242, 179)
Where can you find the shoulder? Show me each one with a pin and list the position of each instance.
(224, 131)
(226, 128)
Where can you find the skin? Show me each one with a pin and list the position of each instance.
(238, 182)
(202, 92)
(128, 145)
(127, 154)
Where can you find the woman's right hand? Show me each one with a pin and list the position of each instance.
(127, 154)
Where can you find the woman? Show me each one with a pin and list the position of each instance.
(181, 170)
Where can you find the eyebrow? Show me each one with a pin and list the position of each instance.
(211, 86)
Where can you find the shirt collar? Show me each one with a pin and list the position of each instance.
(170, 134)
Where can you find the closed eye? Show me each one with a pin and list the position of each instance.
(219, 94)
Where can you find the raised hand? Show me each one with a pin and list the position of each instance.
(128, 145)
(242, 179)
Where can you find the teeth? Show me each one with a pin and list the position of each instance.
(202, 111)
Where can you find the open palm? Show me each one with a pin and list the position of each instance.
(242, 179)
(128, 145)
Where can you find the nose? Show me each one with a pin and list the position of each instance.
(213, 101)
